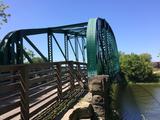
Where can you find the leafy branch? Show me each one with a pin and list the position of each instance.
(3, 15)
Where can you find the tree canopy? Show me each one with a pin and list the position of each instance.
(136, 68)
(32, 55)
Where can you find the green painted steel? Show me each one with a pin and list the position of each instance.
(102, 52)
(12, 48)
(91, 47)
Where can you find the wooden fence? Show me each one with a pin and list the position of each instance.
(36, 91)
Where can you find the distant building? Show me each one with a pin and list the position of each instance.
(156, 64)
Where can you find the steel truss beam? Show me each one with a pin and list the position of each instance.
(96, 37)
(12, 51)
(102, 52)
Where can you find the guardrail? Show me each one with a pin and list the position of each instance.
(31, 91)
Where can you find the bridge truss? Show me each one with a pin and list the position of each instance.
(33, 87)
(96, 37)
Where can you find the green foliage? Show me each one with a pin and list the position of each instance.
(3, 14)
(33, 57)
(30, 53)
(37, 60)
(136, 68)
(147, 57)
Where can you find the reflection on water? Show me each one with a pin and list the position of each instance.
(148, 99)
(140, 102)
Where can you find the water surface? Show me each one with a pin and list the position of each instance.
(140, 102)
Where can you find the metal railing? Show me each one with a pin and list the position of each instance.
(30, 91)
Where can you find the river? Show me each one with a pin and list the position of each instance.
(140, 102)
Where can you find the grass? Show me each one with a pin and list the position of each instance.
(156, 71)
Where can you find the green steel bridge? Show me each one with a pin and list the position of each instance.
(96, 37)
(41, 90)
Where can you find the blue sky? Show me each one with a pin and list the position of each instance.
(136, 23)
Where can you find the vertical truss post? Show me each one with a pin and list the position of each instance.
(50, 50)
(19, 49)
(6, 55)
(76, 48)
(83, 48)
(12, 53)
(66, 37)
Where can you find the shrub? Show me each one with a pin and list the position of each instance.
(136, 68)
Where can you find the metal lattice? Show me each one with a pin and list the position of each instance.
(102, 50)
(102, 53)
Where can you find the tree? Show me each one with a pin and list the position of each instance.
(37, 60)
(33, 57)
(136, 68)
(147, 57)
(3, 14)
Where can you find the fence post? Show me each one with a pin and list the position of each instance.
(85, 73)
(79, 75)
(24, 93)
(71, 74)
(59, 81)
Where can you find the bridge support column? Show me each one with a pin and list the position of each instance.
(98, 87)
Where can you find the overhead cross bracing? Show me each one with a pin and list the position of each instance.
(88, 49)
(94, 38)
(12, 48)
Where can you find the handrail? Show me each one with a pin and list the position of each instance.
(28, 77)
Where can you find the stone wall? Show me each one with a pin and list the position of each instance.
(98, 87)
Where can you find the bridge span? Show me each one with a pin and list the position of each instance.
(87, 61)
(35, 91)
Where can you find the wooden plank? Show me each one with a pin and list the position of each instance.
(41, 92)
(65, 81)
(40, 65)
(9, 76)
(11, 96)
(60, 76)
(41, 100)
(41, 71)
(7, 68)
(65, 86)
(12, 116)
(9, 107)
(9, 88)
(42, 85)
(40, 79)
(42, 107)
